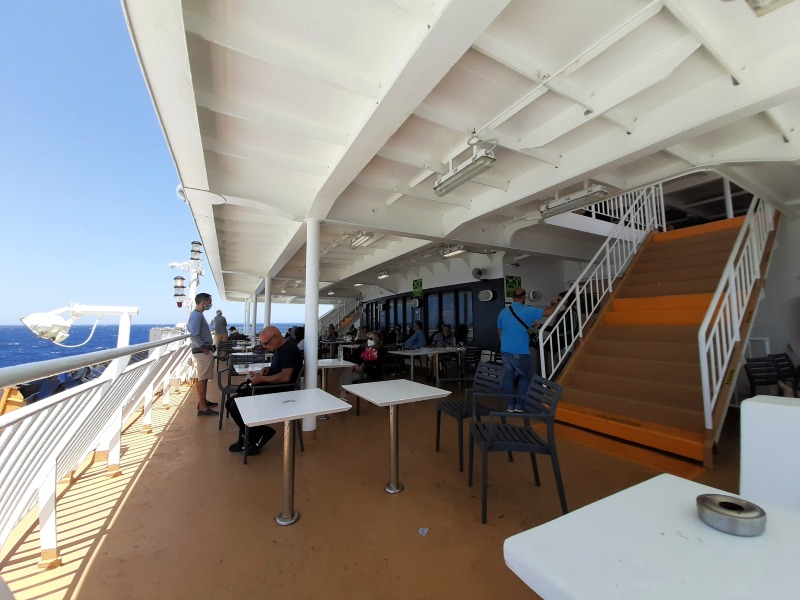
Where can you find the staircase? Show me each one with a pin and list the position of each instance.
(637, 373)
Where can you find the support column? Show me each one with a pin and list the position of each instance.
(312, 311)
(267, 300)
(726, 190)
(254, 315)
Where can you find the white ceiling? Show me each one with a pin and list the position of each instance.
(346, 111)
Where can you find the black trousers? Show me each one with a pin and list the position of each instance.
(259, 435)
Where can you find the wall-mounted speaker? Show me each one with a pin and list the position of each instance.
(415, 303)
(486, 295)
(478, 273)
(534, 295)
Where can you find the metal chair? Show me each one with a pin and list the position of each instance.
(229, 388)
(787, 371)
(761, 371)
(486, 382)
(495, 435)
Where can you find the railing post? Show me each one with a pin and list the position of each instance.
(147, 412)
(47, 520)
(110, 441)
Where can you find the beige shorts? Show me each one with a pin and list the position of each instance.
(205, 365)
(220, 337)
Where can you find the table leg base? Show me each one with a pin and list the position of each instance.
(281, 520)
(391, 489)
(323, 418)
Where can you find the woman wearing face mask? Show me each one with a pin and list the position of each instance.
(369, 362)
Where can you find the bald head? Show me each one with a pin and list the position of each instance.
(271, 338)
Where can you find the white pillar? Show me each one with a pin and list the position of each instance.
(312, 311)
(254, 314)
(726, 189)
(267, 300)
(47, 521)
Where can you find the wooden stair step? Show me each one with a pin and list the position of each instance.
(672, 395)
(680, 334)
(685, 316)
(678, 273)
(719, 257)
(656, 371)
(663, 302)
(672, 288)
(672, 352)
(687, 443)
(734, 223)
(695, 247)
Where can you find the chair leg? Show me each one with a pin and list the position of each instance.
(559, 483)
(535, 470)
(460, 445)
(471, 457)
(438, 427)
(485, 484)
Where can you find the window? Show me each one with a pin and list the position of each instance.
(449, 309)
(432, 314)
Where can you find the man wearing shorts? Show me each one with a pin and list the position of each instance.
(201, 353)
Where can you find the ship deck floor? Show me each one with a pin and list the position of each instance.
(186, 519)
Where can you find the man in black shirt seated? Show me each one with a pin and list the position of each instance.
(234, 334)
(287, 362)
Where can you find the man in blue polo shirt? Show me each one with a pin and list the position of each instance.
(512, 327)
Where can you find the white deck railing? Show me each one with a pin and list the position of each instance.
(337, 314)
(643, 212)
(720, 330)
(43, 442)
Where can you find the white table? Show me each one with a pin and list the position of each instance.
(648, 542)
(330, 363)
(433, 352)
(331, 346)
(265, 409)
(244, 369)
(392, 393)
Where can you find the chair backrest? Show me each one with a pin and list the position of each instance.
(543, 396)
(488, 377)
(785, 366)
(761, 371)
(472, 358)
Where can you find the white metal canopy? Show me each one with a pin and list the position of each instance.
(348, 111)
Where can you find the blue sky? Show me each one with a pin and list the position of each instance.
(90, 213)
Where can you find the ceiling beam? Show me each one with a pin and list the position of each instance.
(263, 156)
(260, 48)
(381, 184)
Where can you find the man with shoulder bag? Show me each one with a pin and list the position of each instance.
(513, 324)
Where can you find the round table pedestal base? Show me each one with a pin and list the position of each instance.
(391, 489)
(281, 520)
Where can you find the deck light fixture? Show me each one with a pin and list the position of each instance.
(481, 159)
(383, 275)
(331, 292)
(357, 284)
(452, 251)
(51, 326)
(179, 285)
(361, 238)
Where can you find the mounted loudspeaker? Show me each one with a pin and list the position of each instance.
(478, 273)
(534, 295)
(415, 303)
(485, 295)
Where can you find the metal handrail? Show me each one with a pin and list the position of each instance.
(644, 213)
(41, 443)
(720, 330)
(337, 313)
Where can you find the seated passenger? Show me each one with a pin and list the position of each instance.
(369, 362)
(444, 338)
(417, 339)
(330, 334)
(234, 335)
(287, 361)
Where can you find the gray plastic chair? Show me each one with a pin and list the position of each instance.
(486, 382)
(495, 435)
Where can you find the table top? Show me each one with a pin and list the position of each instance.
(264, 409)
(648, 542)
(246, 368)
(424, 351)
(351, 345)
(395, 391)
(333, 363)
(331, 341)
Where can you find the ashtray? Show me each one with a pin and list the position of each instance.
(731, 515)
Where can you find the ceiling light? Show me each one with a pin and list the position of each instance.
(472, 167)
(330, 292)
(573, 201)
(383, 275)
(357, 284)
(452, 251)
(361, 238)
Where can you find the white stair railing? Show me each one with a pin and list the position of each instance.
(338, 313)
(43, 442)
(719, 332)
(643, 212)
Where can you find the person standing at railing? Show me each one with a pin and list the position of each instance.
(202, 353)
(512, 327)
(220, 326)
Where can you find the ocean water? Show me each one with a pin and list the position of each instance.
(19, 346)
